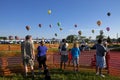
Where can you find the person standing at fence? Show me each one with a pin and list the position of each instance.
(75, 56)
(63, 52)
(41, 55)
(28, 55)
(69, 57)
(100, 58)
(107, 56)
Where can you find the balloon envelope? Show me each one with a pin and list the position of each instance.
(40, 25)
(79, 32)
(108, 13)
(49, 11)
(61, 29)
(50, 25)
(108, 29)
(10, 37)
(101, 31)
(58, 24)
(55, 34)
(28, 28)
(93, 31)
(16, 37)
(75, 25)
(99, 22)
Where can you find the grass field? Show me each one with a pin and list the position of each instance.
(57, 74)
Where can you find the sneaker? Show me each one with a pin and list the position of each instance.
(102, 75)
(97, 73)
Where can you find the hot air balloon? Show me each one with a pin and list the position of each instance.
(101, 32)
(108, 29)
(28, 28)
(58, 24)
(16, 37)
(90, 37)
(40, 25)
(99, 22)
(50, 25)
(10, 37)
(108, 13)
(49, 11)
(75, 25)
(56, 34)
(61, 29)
(93, 31)
(79, 32)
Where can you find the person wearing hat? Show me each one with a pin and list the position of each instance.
(41, 55)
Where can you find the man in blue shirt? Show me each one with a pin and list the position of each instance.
(100, 57)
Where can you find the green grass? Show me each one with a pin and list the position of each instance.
(57, 74)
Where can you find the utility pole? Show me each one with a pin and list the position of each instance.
(117, 38)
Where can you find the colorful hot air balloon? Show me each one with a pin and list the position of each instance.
(99, 22)
(50, 25)
(75, 25)
(28, 28)
(40, 25)
(80, 32)
(93, 31)
(58, 23)
(61, 29)
(56, 34)
(108, 13)
(49, 11)
(108, 29)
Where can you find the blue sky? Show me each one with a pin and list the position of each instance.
(16, 14)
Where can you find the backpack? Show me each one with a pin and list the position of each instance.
(64, 48)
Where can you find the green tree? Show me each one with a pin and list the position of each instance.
(71, 38)
(3, 38)
(101, 36)
(118, 39)
(109, 40)
(87, 40)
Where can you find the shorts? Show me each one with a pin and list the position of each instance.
(28, 62)
(100, 61)
(64, 58)
(75, 61)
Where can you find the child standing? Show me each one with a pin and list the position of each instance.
(75, 56)
(69, 57)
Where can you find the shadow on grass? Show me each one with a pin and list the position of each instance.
(58, 74)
